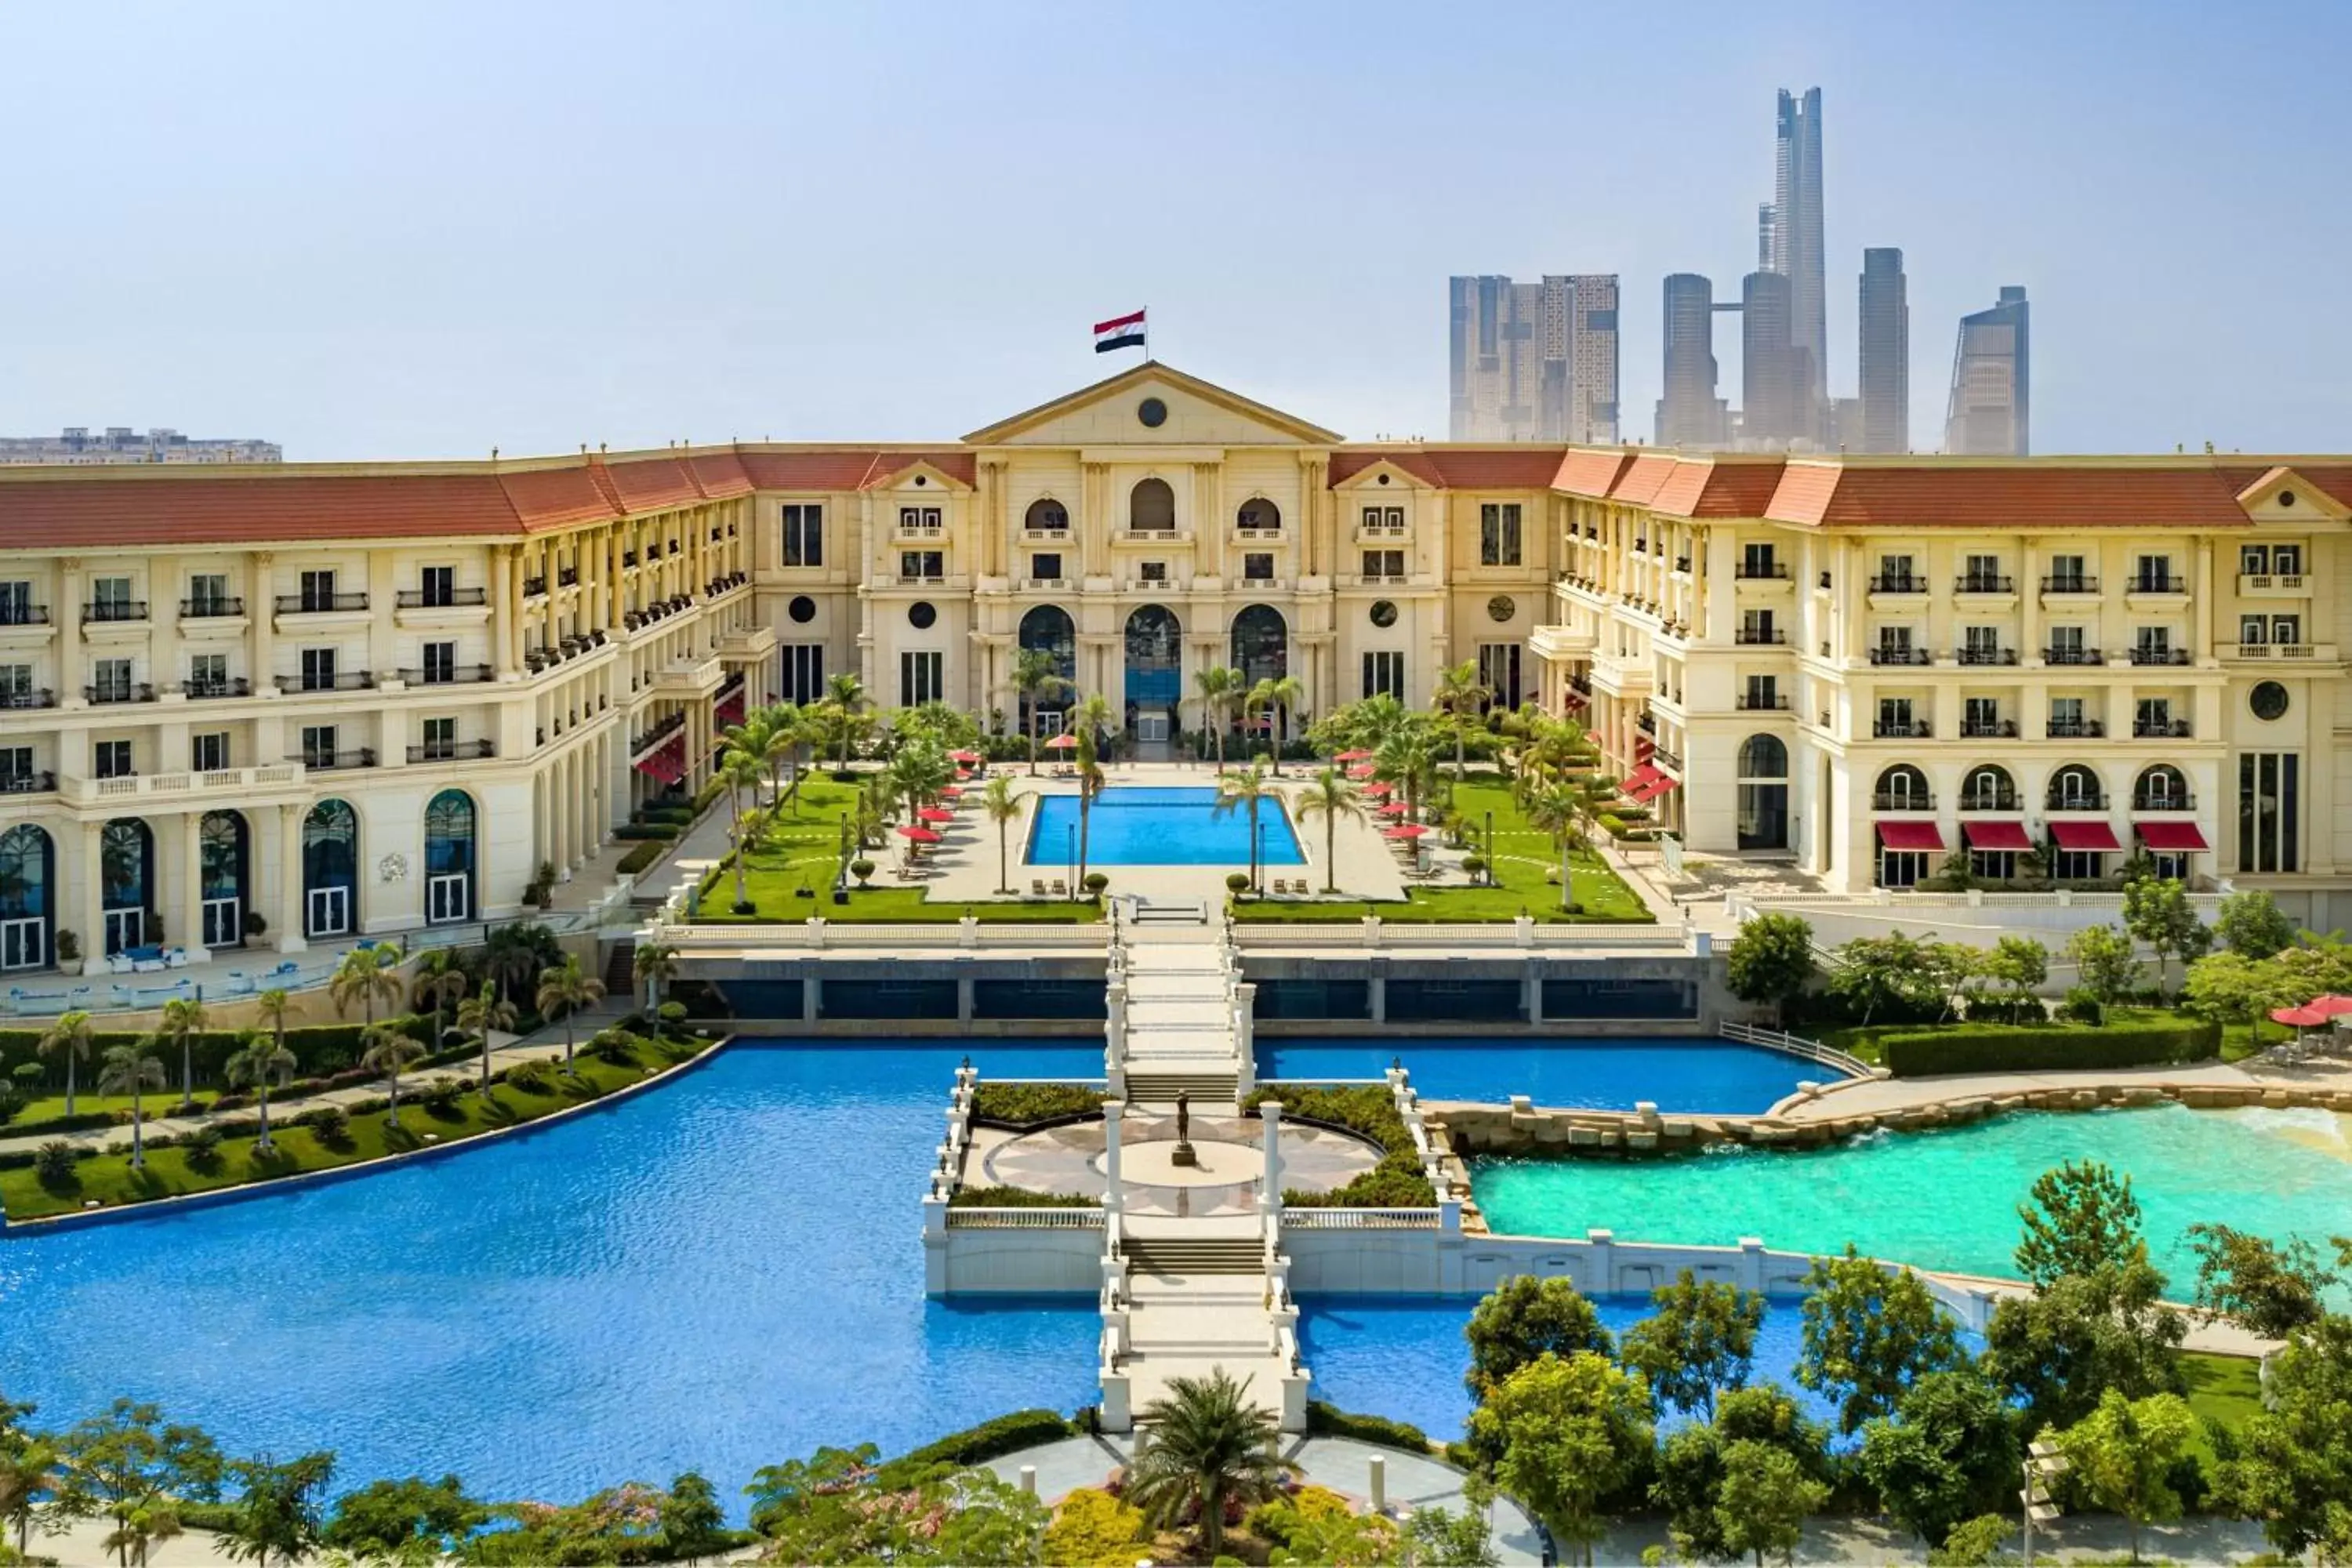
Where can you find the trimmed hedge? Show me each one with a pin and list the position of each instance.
(2002, 1047)
(1324, 1420)
(651, 832)
(1397, 1182)
(638, 859)
(1026, 1104)
(989, 1440)
(1016, 1198)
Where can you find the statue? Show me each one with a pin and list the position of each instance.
(1185, 1154)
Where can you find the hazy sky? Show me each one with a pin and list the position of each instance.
(424, 229)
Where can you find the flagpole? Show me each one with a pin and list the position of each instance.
(1147, 334)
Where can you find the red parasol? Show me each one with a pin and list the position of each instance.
(1379, 789)
(1404, 830)
(949, 791)
(1361, 771)
(2334, 1006)
(1062, 742)
(965, 757)
(1393, 808)
(919, 835)
(934, 813)
(1356, 755)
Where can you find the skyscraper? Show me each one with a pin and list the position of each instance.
(1773, 388)
(1688, 414)
(1517, 351)
(1992, 381)
(1796, 253)
(1885, 354)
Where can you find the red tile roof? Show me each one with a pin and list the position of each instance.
(721, 475)
(1527, 467)
(832, 469)
(2006, 495)
(961, 467)
(553, 497)
(1590, 471)
(118, 512)
(653, 484)
(1643, 477)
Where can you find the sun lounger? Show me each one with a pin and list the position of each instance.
(1061, 888)
(1037, 887)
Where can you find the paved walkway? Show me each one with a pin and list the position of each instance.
(1889, 1096)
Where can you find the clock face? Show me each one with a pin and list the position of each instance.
(2268, 699)
(1152, 412)
(1384, 612)
(1501, 608)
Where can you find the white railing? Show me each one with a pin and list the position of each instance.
(151, 786)
(974, 1218)
(1797, 1045)
(1299, 1218)
(1373, 933)
(819, 933)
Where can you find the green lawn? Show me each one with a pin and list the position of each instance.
(110, 1180)
(1522, 857)
(2225, 1389)
(1863, 1043)
(49, 1107)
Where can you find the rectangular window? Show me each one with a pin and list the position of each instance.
(918, 520)
(1982, 645)
(110, 758)
(1498, 672)
(1756, 560)
(1980, 574)
(2153, 575)
(1258, 566)
(318, 669)
(1498, 534)
(16, 768)
(16, 685)
(440, 663)
(208, 675)
(2254, 559)
(2269, 811)
(109, 599)
(2152, 645)
(109, 681)
(1895, 645)
(1895, 575)
(804, 531)
(1895, 717)
(208, 593)
(2254, 630)
(2152, 716)
(17, 605)
(1384, 519)
(2287, 560)
(800, 672)
(209, 753)
(1384, 673)
(2286, 630)
(318, 745)
(1154, 572)
(922, 565)
(1383, 566)
(1763, 693)
(437, 740)
(2066, 576)
(1045, 568)
(921, 678)
(318, 590)
(2065, 640)
(2066, 716)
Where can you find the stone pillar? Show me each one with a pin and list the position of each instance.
(1270, 1195)
(1377, 1484)
(502, 611)
(290, 912)
(1245, 1036)
(93, 907)
(1112, 1112)
(190, 934)
(262, 610)
(1115, 1035)
(1535, 982)
(964, 999)
(1378, 988)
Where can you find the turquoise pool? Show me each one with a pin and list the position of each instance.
(1948, 1199)
(1130, 826)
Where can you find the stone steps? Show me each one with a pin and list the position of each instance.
(1191, 1257)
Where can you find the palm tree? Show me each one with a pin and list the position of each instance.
(567, 989)
(1088, 720)
(654, 962)
(1331, 797)
(70, 1036)
(1566, 810)
(388, 1051)
(262, 1062)
(367, 973)
(1407, 761)
(486, 1010)
(440, 980)
(787, 734)
(1459, 692)
(270, 1009)
(846, 694)
(128, 1069)
(1210, 1442)
(28, 1471)
(1001, 805)
(1036, 675)
(738, 770)
(1246, 789)
(182, 1021)
(1275, 696)
(1220, 688)
(516, 952)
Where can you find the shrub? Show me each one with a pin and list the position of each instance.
(1026, 1104)
(1015, 1198)
(978, 1445)
(54, 1161)
(648, 832)
(203, 1145)
(1278, 1519)
(2082, 1006)
(1091, 1527)
(638, 859)
(1237, 882)
(861, 868)
(1397, 1182)
(531, 1078)
(1095, 883)
(1330, 1420)
(2001, 1048)
(616, 1046)
(331, 1123)
(1474, 864)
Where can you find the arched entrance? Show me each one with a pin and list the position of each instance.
(1155, 673)
(1151, 506)
(1048, 629)
(1763, 792)
(1261, 644)
(28, 867)
(330, 870)
(449, 857)
(126, 881)
(222, 863)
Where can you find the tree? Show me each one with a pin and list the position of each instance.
(1036, 676)
(846, 695)
(1276, 696)
(483, 1012)
(1220, 690)
(278, 1512)
(440, 982)
(1946, 968)
(403, 1520)
(2121, 1453)
(388, 1051)
(1459, 693)
(1772, 960)
(567, 989)
(656, 965)
(1767, 1498)
(1701, 1337)
(516, 952)
(2074, 1339)
(129, 1467)
(2020, 962)
(365, 974)
(2078, 1218)
(128, 1069)
(1690, 1466)
(2105, 962)
(1873, 973)
(1090, 715)
(1567, 811)
(1569, 1434)
(1868, 1335)
(2157, 911)
(1525, 1318)
(740, 772)
(2293, 1469)
(1246, 791)
(71, 1038)
(1331, 796)
(2273, 1289)
(2250, 925)
(2232, 988)
(1438, 1539)
(1210, 1441)
(1002, 806)
(183, 1020)
(1949, 1453)
(28, 1471)
(260, 1063)
(693, 1525)
(1973, 1543)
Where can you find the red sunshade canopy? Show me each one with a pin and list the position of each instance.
(2307, 1017)
(919, 835)
(1379, 789)
(936, 813)
(2334, 1006)
(949, 791)
(1361, 771)
(1641, 775)
(1910, 835)
(1997, 835)
(1062, 742)
(2089, 836)
(1404, 830)
(1658, 786)
(2172, 836)
(964, 756)
(1394, 808)
(1356, 754)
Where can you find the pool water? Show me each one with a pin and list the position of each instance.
(1130, 826)
(1948, 1199)
(1680, 1075)
(722, 1273)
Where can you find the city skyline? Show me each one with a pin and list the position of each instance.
(1533, 362)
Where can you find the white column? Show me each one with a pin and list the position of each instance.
(1112, 1110)
(1270, 1199)
(93, 907)
(290, 912)
(190, 934)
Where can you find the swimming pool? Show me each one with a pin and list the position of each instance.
(1948, 1199)
(697, 1277)
(1132, 827)
(1592, 1073)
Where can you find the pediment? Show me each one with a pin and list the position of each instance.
(2287, 497)
(921, 475)
(1388, 474)
(1110, 414)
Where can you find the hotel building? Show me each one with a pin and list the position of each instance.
(352, 698)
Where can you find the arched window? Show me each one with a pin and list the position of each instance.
(1151, 506)
(1258, 512)
(1155, 675)
(1905, 788)
(27, 869)
(449, 857)
(1047, 514)
(330, 870)
(1048, 629)
(1763, 794)
(1261, 644)
(223, 863)
(1987, 788)
(2074, 787)
(126, 880)
(2161, 788)
(1763, 757)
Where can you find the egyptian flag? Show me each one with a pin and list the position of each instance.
(1119, 333)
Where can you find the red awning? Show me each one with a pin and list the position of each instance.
(665, 761)
(1997, 835)
(1645, 794)
(1910, 835)
(1643, 777)
(2175, 836)
(2087, 836)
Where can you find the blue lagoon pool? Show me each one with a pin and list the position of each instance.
(721, 1273)
(1130, 826)
(1599, 1074)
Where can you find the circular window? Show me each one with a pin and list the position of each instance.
(2268, 699)
(1384, 479)
(1384, 613)
(921, 479)
(921, 614)
(2286, 497)
(1152, 412)
(803, 609)
(1501, 608)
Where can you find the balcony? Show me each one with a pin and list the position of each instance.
(1901, 729)
(118, 692)
(2075, 730)
(1896, 586)
(1901, 656)
(329, 680)
(2072, 656)
(334, 762)
(1045, 535)
(2160, 656)
(2281, 652)
(1762, 701)
(2157, 586)
(1154, 536)
(452, 751)
(726, 582)
(1259, 535)
(1762, 572)
(534, 587)
(569, 577)
(2059, 800)
(321, 604)
(654, 734)
(2160, 730)
(1989, 729)
(1984, 585)
(104, 612)
(1382, 533)
(450, 599)
(214, 688)
(1045, 584)
(689, 679)
(445, 675)
(229, 784)
(29, 697)
(1760, 637)
(2273, 585)
(920, 530)
(2001, 655)
(28, 783)
(24, 614)
(1990, 800)
(1883, 801)
(211, 609)
(2160, 801)
(747, 642)
(2072, 586)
